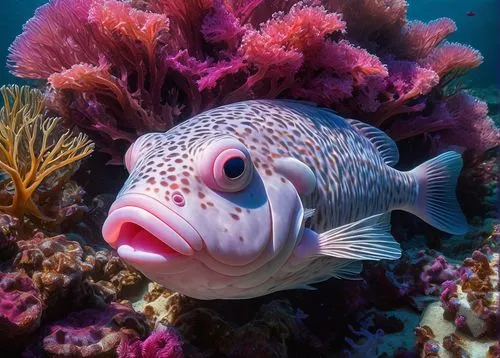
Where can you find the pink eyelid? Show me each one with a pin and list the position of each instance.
(211, 165)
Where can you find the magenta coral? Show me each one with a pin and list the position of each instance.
(20, 306)
(162, 343)
(119, 71)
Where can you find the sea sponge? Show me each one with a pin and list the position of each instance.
(34, 153)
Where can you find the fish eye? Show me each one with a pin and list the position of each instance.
(225, 165)
(234, 168)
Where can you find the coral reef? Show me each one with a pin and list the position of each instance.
(70, 276)
(93, 332)
(464, 323)
(20, 306)
(35, 154)
(418, 274)
(120, 69)
(473, 302)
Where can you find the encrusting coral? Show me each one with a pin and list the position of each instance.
(120, 69)
(93, 332)
(34, 152)
(20, 306)
(70, 275)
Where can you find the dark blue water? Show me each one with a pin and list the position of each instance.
(481, 31)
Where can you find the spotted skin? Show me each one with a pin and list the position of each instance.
(353, 182)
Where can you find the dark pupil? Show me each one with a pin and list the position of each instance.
(234, 167)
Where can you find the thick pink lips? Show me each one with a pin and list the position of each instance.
(142, 228)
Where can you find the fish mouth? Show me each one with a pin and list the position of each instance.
(144, 230)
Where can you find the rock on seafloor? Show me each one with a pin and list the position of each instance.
(465, 322)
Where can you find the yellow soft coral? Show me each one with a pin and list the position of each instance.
(33, 148)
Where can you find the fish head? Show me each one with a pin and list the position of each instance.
(196, 197)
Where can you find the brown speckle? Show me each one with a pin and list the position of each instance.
(203, 206)
(201, 195)
(235, 217)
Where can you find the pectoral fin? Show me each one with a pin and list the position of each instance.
(366, 239)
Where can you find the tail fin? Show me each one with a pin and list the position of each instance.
(436, 201)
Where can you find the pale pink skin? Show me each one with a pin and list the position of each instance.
(182, 222)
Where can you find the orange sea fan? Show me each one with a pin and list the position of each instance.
(33, 149)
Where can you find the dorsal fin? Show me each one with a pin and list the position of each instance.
(385, 145)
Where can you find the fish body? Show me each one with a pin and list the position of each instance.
(217, 206)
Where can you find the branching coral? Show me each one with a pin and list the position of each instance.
(145, 65)
(33, 150)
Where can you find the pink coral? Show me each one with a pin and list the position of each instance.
(418, 39)
(120, 71)
(437, 272)
(162, 343)
(20, 306)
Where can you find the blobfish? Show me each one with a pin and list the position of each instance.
(260, 196)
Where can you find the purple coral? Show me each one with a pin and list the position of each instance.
(20, 306)
(94, 331)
